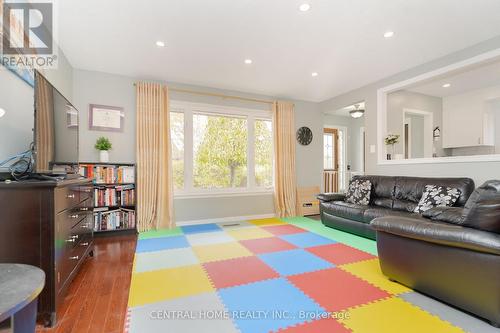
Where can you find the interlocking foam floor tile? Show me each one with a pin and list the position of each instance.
(273, 304)
(307, 239)
(267, 222)
(456, 317)
(336, 290)
(287, 229)
(150, 261)
(328, 325)
(224, 251)
(161, 285)
(168, 316)
(370, 271)
(393, 315)
(267, 245)
(161, 243)
(249, 233)
(340, 254)
(294, 262)
(234, 272)
(160, 233)
(193, 229)
(207, 238)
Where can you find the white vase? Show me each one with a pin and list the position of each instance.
(103, 156)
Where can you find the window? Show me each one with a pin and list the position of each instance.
(220, 150)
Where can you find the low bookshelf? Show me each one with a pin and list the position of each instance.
(114, 196)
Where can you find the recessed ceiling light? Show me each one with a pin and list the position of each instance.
(248, 61)
(446, 85)
(2, 112)
(389, 34)
(314, 74)
(160, 43)
(304, 7)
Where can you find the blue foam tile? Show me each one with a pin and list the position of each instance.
(296, 261)
(307, 239)
(194, 229)
(161, 243)
(267, 305)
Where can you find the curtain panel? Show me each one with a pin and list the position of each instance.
(153, 151)
(285, 188)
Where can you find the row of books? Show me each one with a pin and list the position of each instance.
(123, 195)
(103, 174)
(114, 219)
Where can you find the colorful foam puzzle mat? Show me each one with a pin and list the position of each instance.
(275, 275)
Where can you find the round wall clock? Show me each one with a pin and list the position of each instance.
(304, 136)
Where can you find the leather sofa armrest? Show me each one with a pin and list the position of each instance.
(439, 233)
(445, 214)
(327, 197)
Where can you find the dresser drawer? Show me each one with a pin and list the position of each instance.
(66, 197)
(86, 192)
(70, 260)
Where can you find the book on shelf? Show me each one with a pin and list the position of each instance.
(122, 195)
(114, 220)
(108, 174)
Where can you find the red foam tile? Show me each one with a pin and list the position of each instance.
(329, 325)
(234, 272)
(285, 229)
(340, 254)
(335, 290)
(267, 245)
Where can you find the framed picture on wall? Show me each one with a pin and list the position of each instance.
(106, 118)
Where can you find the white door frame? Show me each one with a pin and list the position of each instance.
(428, 129)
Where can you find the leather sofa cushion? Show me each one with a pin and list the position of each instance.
(345, 210)
(412, 188)
(482, 210)
(445, 214)
(326, 197)
(382, 188)
(376, 212)
(439, 233)
(404, 205)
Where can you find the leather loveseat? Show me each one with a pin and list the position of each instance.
(390, 196)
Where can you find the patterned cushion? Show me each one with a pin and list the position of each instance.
(359, 192)
(437, 196)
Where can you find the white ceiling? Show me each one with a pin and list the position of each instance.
(207, 41)
(478, 77)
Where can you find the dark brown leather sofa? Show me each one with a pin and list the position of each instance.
(391, 196)
(450, 253)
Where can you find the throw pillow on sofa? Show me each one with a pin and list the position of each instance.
(437, 196)
(359, 192)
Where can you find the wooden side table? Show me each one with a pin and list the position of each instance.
(20, 286)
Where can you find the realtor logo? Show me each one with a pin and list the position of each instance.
(27, 28)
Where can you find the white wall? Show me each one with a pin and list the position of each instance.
(479, 171)
(100, 88)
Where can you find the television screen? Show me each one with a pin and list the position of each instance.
(56, 128)
(16, 118)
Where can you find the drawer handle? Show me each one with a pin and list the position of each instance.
(84, 209)
(71, 240)
(74, 258)
(74, 216)
(85, 244)
(70, 196)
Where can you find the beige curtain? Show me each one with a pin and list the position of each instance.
(284, 144)
(44, 125)
(154, 168)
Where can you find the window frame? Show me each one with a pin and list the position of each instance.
(189, 109)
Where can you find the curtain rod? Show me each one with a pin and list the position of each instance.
(194, 92)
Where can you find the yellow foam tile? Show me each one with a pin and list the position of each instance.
(223, 251)
(370, 272)
(165, 284)
(267, 222)
(394, 315)
(249, 233)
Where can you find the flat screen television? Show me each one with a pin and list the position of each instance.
(38, 126)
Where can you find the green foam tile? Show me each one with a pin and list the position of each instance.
(160, 233)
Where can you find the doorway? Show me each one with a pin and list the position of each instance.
(332, 159)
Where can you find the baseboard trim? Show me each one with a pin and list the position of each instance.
(225, 219)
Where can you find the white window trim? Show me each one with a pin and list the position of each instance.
(189, 109)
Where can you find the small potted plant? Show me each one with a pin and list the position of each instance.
(391, 140)
(103, 145)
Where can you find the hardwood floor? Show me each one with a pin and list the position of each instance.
(96, 301)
